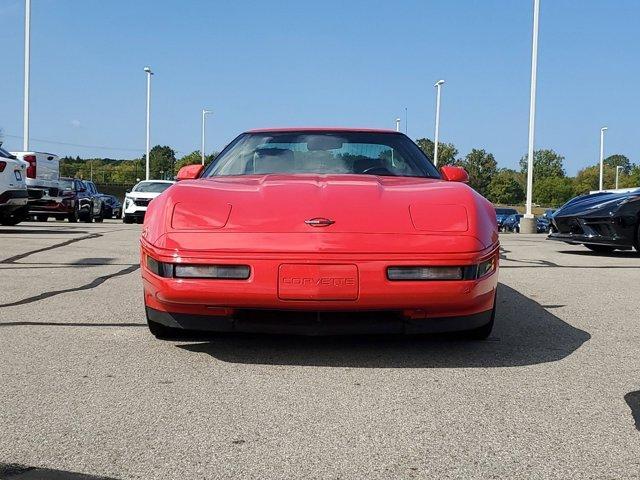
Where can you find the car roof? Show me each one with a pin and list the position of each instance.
(321, 129)
(34, 152)
(156, 181)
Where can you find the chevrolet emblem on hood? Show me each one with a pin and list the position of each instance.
(319, 222)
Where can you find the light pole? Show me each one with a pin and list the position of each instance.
(438, 86)
(397, 124)
(406, 121)
(27, 61)
(618, 168)
(528, 223)
(149, 73)
(204, 116)
(602, 130)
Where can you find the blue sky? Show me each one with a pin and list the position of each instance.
(349, 62)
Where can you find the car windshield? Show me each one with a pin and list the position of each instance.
(66, 184)
(323, 152)
(151, 187)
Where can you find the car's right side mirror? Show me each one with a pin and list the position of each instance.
(189, 172)
(452, 173)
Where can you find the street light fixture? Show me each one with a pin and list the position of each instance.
(27, 61)
(438, 86)
(406, 121)
(528, 223)
(618, 168)
(204, 115)
(397, 124)
(148, 71)
(602, 130)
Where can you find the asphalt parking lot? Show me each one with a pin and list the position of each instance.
(554, 393)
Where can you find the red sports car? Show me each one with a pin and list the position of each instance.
(320, 231)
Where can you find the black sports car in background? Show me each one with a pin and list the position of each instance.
(602, 222)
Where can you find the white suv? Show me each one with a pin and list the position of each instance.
(13, 190)
(136, 201)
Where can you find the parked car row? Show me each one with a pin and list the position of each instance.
(509, 220)
(31, 187)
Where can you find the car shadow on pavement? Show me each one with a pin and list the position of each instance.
(525, 333)
(633, 400)
(33, 231)
(15, 471)
(614, 254)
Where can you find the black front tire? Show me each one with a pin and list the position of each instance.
(19, 215)
(87, 217)
(74, 216)
(10, 221)
(127, 219)
(100, 217)
(600, 248)
(42, 218)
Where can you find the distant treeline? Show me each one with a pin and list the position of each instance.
(163, 164)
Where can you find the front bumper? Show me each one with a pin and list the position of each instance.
(224, 304)
(14, 198)
(317, 322)
(135, 207)
(615, 231)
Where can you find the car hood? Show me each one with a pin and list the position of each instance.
(135, 195)
(598, 204)
(355, 204)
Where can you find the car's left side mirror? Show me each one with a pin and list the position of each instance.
(454, 174)
(189, 172)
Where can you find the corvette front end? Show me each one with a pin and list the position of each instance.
(320, 282)
(310, 253)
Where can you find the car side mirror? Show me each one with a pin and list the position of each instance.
(189, 172)
(452, 173)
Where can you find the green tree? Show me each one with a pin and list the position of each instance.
(193, 158)
(162, 161)
(587, 179)
(617, 160)
(506, 188)
(189, 159)
(552, 191)
(632, 179)
(481, 167)
(546, 163)
(447, 152)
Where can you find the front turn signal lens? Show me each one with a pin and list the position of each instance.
(424, 273)
(231, 272)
